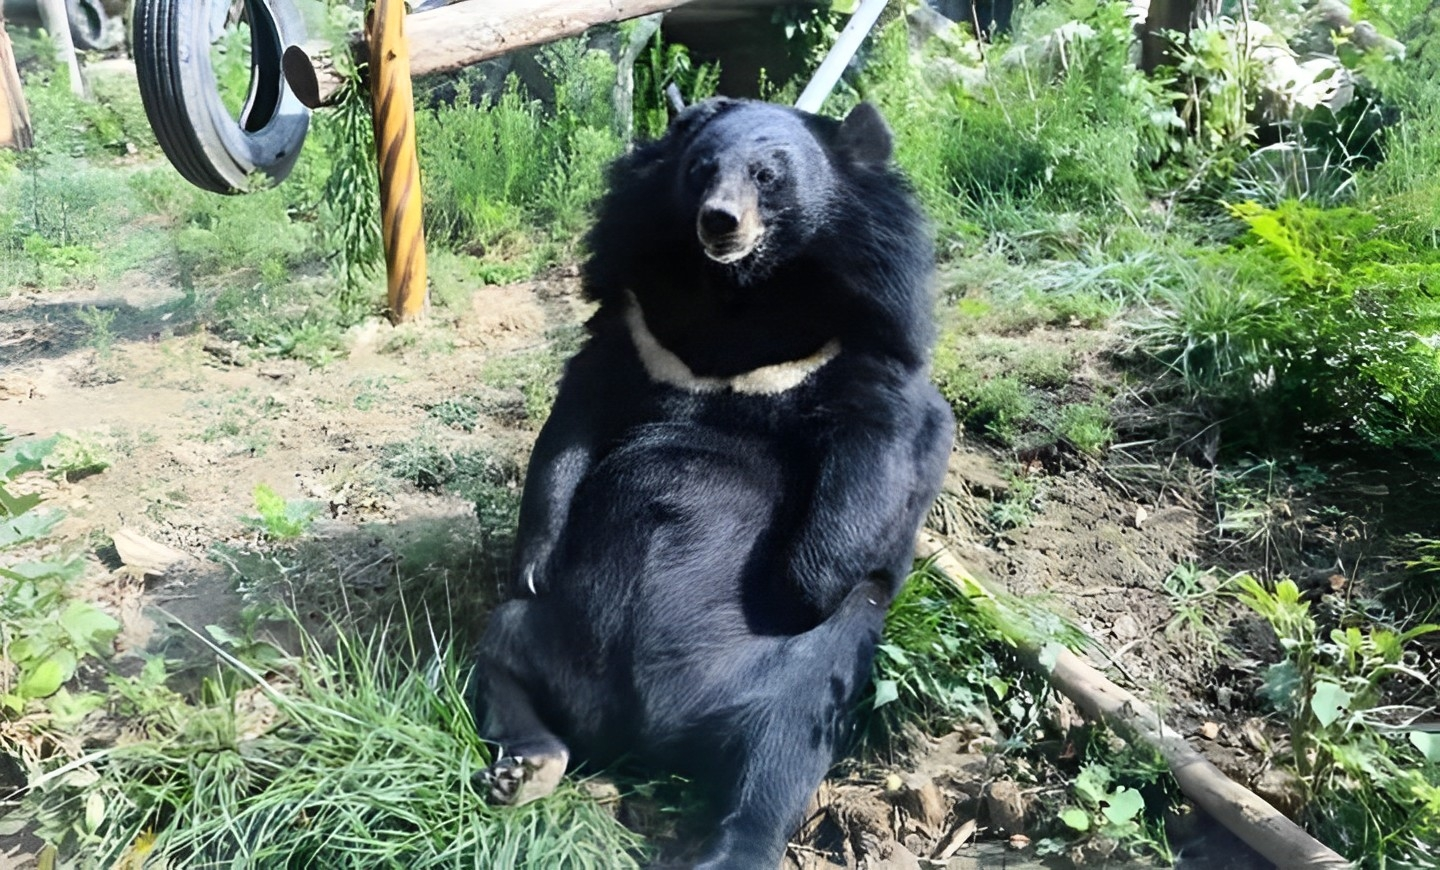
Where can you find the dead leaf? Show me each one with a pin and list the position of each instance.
(149, 557)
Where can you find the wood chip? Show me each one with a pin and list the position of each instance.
(952, 841)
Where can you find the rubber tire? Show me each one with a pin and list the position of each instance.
(171, 42)
(89, 25)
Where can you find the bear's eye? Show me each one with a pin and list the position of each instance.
(764, 175)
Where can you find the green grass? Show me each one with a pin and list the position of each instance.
(350, 758)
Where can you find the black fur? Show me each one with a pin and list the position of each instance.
(702, 577)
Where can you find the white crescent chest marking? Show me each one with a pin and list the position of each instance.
(667, 368)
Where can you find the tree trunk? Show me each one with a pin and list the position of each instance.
(14, 116)
(1156, 49)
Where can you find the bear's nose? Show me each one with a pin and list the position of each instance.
(715, 221)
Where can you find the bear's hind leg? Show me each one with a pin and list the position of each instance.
(785, 741)
(530, 759)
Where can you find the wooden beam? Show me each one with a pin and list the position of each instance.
(456, 36)
(15, 129)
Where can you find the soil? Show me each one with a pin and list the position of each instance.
(194, 423)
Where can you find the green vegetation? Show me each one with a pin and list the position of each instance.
(1350, 696)
(297, 759)
(279, 519)
(1185, 265)
(46, 630)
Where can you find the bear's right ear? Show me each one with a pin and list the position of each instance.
(694, 117)
(864, 138)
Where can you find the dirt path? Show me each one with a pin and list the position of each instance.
(192, 425)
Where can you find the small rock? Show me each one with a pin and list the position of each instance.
(1126, 627)
(1140, 516)
(1209, 730)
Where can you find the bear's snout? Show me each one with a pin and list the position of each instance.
(729, 224)
(717, 221)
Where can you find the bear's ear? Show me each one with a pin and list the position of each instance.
(864, 138)
(695, 116)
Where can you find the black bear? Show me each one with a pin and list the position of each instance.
(724, 500)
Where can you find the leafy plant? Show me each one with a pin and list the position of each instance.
(1109, 813)
(45, 632)
(1346, 696)
(935, 665)
(281, 519)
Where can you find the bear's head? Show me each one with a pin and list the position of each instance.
(757, 181)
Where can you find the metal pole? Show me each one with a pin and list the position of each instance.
(844, 48)
(402, 229)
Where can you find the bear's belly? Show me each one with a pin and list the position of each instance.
(677, 526)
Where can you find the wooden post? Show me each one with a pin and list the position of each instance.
(15, 129)
(402, 229)
(57, 22)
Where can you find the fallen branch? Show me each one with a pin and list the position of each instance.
(1240, 810)
(454, 37)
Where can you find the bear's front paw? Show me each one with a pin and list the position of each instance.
(517, 779)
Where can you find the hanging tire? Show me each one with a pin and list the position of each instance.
(90, 25)
(171, 42)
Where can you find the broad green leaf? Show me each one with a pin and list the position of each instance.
(67, 570)
(94, 811)
(41, 680)
(1076, 819)
(1124, 805)
(221, 636)
(885, 692)
(895, 654)
(29, 648)
(15, 505)
(25, 455)
(1092, 783)
(1428, 742)
(28, 527)
(88, 625)
(69, 709)
(1329, 702)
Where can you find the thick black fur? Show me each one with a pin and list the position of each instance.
(702, 577)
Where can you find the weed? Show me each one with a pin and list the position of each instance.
(1193, 595)
(1024, 498)
(370, 750)
(492, 482)
(1109, 810)
(935, 665)
(280, 519)
(534, 373)
(1086, 427)
(102, 337)
(45, 631)
(1348, 698)
(462, 414)
(76, 456)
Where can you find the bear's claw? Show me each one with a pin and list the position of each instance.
(514, 780)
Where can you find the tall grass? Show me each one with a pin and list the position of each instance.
(351, 758)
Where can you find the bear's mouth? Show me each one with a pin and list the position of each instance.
(730, 249)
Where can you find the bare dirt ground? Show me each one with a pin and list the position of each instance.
(193, 424)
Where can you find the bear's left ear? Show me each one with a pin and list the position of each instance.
(864, 138)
